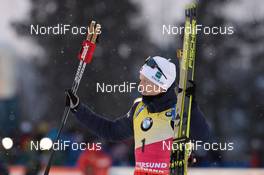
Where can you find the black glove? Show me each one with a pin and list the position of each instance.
(190, 91)
(72, 100)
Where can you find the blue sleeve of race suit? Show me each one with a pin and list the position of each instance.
(199, 129)
(116, 130)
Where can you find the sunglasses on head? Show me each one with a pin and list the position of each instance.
(152, 63)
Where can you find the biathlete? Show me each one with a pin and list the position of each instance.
(149, 120)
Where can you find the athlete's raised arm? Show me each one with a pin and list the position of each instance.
(113, 130)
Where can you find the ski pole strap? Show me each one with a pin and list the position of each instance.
(86, 51)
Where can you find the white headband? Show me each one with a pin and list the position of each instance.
(155, 76)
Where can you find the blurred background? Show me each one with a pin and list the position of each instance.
(36, 69)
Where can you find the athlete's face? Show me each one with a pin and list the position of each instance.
(148, 88)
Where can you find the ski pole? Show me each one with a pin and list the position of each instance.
(85, 56)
